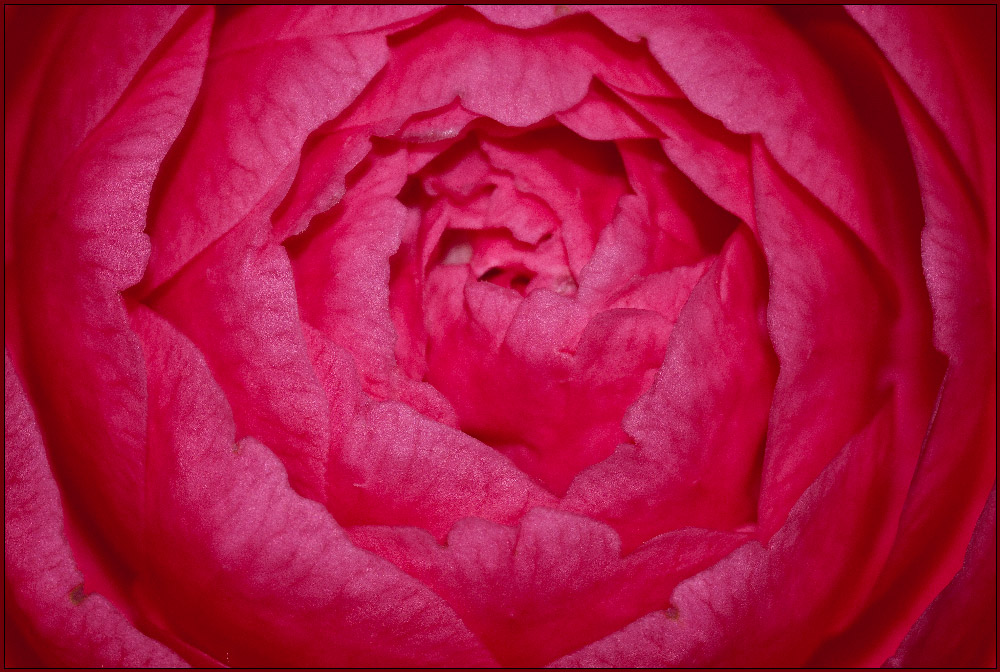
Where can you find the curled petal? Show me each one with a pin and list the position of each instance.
(66, 623)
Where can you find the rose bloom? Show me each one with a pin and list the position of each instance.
(520, 336)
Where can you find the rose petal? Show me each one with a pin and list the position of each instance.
(442, 124)
(397, 467)
(960, 447)
(357, 238)
(237, 302)
(959, 628)
(583, 191)
(361, 18)
(75, 255)
(16, 650)
(339, 377)
(698, 432)
(713, 158)
(814, 115)
(66, 624)
(284, 584)
(814, 574)
(601, 115)
(757, 72)
(503, 74)
(320, 183)
(830, 303)
(75, 80)
(522, 16)
(273, 77)
(622, 252)
(549, 585)
(664, 293)
(616, 63)
(513, 77)
(942, 53)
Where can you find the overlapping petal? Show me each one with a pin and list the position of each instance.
(652, 336)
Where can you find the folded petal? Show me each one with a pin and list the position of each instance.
(830, 303)
(397, 467)
(357, 238)
(236, 301)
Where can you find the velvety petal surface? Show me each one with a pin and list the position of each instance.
(401, 468)
(471, 336)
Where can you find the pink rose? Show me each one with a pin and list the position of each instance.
(525, 336)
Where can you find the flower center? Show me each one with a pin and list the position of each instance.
(541, 289)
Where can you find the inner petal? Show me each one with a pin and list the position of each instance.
(541, 374)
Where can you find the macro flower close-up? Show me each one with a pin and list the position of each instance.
(443, 336)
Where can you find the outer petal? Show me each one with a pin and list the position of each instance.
(958, 460)
(65, 624)
(748, 68)
(74, 257)
(944, 54)
(247, 570)
(73, 77)
(959, 628)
